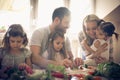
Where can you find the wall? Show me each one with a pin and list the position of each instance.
(109, 10)
(103, 7)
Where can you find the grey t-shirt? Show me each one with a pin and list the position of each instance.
(40, 38)
(9, 59)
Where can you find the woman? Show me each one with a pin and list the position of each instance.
(90, 23)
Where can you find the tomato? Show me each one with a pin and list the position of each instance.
(58, 75)
(79, 75)
(97, 78)
(91, 72)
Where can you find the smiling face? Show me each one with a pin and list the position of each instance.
(58, 43)
(90, 29)
(100, 34)
(15, 42)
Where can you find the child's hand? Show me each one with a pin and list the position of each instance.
(6, 68)
(22, 66)
(28, 69)
(25, 67)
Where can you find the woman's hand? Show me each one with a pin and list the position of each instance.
(98, 52)
(100, 60)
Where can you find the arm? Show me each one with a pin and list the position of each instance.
(99, 50)
(70, 55)
(28, 61)
(68, 48)
(85, 45)
(38, 59)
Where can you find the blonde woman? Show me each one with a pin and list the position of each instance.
(90, 24)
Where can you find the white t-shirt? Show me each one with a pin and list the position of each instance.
(40, 38)
(105, 54)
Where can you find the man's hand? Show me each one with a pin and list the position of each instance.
(78, 62)
(67, 63)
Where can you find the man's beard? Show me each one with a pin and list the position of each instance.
(59, 28)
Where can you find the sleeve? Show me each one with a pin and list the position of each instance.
(37, 37)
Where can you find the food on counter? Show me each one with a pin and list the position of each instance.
(37, 75)
(57, 74)
(55, 71)
(109, 70)
(52, 67)
(97, 78)
(90, 77)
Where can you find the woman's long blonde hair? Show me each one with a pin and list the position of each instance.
(89, 18)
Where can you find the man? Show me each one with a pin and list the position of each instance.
(60, 19)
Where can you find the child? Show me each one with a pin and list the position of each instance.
(104, 33)
(13, 53)
(55, 47)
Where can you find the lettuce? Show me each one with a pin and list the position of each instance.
(110, 70)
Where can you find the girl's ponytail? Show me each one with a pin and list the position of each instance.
(116, 35)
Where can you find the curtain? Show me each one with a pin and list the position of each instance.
(33, 13)
(6, 4)
(67, 3)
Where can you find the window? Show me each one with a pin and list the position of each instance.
(15, 12)
(79, 9)
(45, 11)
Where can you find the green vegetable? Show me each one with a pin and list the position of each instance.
(54, 68)
(109, 70)
(37, 75)
(85, 65)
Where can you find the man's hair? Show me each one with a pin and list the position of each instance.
(60, 13)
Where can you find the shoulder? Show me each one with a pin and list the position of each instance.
(2, 51)
(26, 51)
(40, 31)
(81, 36)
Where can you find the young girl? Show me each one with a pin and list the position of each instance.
(13, 53)
(104, 33)
(55, 47)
